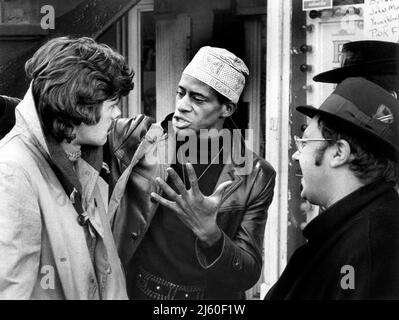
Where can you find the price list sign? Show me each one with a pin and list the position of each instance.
(381, 20)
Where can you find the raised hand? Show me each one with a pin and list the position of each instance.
(196, 211)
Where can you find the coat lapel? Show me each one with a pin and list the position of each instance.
(120, 185)
(228, 174)
(65, 236)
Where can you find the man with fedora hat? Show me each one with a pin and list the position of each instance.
(347, 155)
(377, 61)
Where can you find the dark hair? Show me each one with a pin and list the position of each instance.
(367, 164)
(71, 79)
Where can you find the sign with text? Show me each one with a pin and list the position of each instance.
(381, 20)
(308, 5)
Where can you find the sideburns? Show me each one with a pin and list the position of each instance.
(320, 154)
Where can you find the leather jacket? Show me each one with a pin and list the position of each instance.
(241, 216)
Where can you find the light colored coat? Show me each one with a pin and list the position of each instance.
(43, 249)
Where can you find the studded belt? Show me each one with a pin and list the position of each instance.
(161, 289)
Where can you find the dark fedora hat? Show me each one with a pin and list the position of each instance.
(365, 110)
(362, 58)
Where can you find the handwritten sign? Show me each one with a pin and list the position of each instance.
(316, 4)
(381, 20)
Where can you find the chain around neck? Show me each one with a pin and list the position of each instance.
(206, 169)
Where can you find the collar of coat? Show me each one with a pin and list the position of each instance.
(327, 222)
(7, 111)
(29, 125)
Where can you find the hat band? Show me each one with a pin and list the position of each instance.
(345, 109)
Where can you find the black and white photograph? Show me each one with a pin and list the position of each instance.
(212, 152)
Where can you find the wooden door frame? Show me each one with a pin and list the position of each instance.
(134, 53)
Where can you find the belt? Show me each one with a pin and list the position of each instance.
(161, 289)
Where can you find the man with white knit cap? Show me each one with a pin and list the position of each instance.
(192, 228)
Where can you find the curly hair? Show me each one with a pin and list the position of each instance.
(367, 164)
(71, 78)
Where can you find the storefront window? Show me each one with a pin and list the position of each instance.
(348, 20)
(329, 29)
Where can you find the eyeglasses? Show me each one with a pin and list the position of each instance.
(300, 142)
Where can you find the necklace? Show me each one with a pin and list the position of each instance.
(73, 156)
(206, 169)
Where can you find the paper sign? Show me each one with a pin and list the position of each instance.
(308, 5)
(381, 20)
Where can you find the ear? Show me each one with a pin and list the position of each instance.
(75, 134)
(228, 109)
(341, 154)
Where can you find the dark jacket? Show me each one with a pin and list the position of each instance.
(241, 217)
(356, 237)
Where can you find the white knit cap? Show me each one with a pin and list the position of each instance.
(219, 69)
